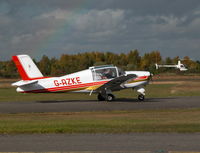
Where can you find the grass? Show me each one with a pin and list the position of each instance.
(152, 91)
(10, 94)
(183, 121)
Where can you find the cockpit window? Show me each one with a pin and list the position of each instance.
(104, 73)
(121, 72)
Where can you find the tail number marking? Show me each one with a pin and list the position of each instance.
(67, 81)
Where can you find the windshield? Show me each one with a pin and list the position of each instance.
(121, 72)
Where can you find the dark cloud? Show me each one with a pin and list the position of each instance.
(52, 27)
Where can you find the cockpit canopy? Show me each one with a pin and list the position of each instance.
(106, 72)
(182, 66)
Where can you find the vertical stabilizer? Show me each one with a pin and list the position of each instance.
(156, 66)
(179, 63)
(26, 67)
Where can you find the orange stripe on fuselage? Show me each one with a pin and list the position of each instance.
(66, 88)
(141, 78)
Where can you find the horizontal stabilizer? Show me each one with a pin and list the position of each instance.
(24, 83)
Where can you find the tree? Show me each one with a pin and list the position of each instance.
(168, 60)
(45, 65)
(134, 60)
(145, 62)
(72, 63)
(176, 59)
(9, 70)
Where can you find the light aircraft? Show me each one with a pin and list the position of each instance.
(179, 66)
(102, 80)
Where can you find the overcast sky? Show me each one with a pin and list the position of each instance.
(55, 27)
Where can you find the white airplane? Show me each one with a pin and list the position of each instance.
(179, 66)
(102, 80)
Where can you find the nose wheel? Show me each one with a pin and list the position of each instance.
(141, 97)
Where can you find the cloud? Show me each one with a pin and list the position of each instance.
(97, 26)
(74, 26)
(57, 14)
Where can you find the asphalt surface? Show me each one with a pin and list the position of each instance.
(78, 106)
(154, 142)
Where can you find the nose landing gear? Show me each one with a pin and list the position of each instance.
(141, 97)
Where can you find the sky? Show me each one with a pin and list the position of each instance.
(56, 27)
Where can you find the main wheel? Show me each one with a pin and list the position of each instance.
(141, 97)
(100, 97)
(110, 97)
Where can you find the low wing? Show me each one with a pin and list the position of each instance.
(24, 83)
(117, 83)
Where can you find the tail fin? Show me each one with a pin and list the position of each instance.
(156, 66)
(179, 63)
(26, 67)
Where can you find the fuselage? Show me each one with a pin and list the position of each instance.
(84, 81)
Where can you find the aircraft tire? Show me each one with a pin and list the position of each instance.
(110, 97)
(100, 97)
(141, 97)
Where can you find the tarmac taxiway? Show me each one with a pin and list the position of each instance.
(106, 143)
(92, 105)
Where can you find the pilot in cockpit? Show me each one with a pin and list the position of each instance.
(109, 73)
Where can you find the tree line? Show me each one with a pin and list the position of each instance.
(132, 60)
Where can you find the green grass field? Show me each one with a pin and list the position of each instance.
(183, 121)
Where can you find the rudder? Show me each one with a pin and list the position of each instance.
(26, 67)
